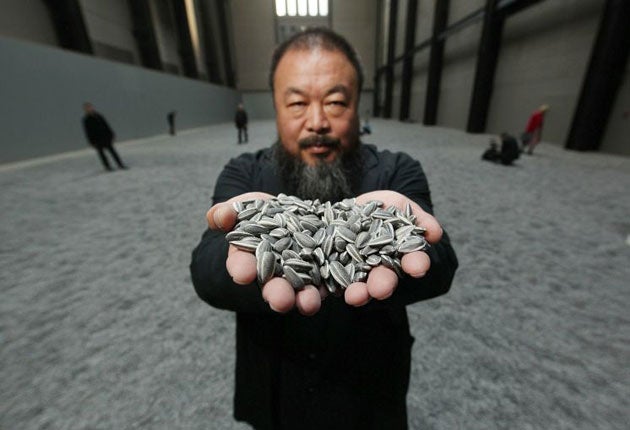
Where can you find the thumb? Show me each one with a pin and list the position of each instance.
(221, 217)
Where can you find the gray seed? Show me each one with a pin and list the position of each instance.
(354, 253)
(362, 239)
(298, 264)
(279, 232)
(253, 229)
(373, 260)
(266, 267)
(247, 244)
(319, 236)
(289, 253)
(387, 249)
(346, 234)
(304, 240)
(340, 243)
(263, 246)
(411, 244)
(360, 277)
(316, 275)
(339, 274)
(237, 235)
(380, 241)
(327, 245)
(247, 213)
(282, 244)
(294, 279)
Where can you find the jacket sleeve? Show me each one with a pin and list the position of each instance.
(409, 179)
(209, 275)
(88, 131)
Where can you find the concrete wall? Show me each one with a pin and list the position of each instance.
(458, 73)
(43, 89)
(544, 56)
(27, 20)
(254, 35)
(110, 28)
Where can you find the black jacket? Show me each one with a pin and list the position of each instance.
(97, 130)
(240, 119)
(343, 368)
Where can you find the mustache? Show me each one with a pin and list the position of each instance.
(319, 140)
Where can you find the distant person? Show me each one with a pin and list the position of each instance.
(240, 119)
(533, 131)
(170, 117)
(492, 153)
(100, 135)
(509, 149)
(365, 127)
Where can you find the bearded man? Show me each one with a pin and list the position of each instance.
(305, 360)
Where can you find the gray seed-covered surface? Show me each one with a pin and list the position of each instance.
(101, 329)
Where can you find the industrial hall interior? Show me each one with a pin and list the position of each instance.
(480, 147)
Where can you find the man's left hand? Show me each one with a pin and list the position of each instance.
(382, 281)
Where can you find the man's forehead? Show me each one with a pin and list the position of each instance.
(290, 77)
(294, 54)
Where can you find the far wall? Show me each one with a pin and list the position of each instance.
(43, 89)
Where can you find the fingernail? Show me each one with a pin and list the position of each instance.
(218, 217)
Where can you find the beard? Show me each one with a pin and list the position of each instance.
(327, 181)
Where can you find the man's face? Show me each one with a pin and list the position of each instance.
(316, 97)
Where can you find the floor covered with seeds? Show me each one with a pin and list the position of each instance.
(101, 329)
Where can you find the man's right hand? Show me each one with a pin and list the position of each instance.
(241, 265)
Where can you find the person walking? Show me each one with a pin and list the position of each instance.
(533, 130)
(100, 135)
(240, 119)
(170, 118)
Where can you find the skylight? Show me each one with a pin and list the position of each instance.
(312, 8)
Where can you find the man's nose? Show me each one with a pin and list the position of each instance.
(317, 121)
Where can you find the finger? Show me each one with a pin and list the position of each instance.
(416, 264)
(308, 301)
(221, 216)
(428, 221)
(323, 291)
(279, 294)
(357, 294)
(241, 266)
(381, 282)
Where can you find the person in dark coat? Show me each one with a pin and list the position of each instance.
(170, 118)
(509, 149)
(240, 119)
(100, 135)
(303, 359)
(492, 153)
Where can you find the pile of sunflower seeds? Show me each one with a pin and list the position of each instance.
(323, 244)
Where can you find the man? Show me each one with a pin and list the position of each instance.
(170, 118)
(492, 153)
(533, 129)
(100, 136)
(304, 360)
(240, 119)
(509, 149)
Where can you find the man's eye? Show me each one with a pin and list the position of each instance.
(336, 107)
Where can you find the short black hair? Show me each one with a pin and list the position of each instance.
(317, 37)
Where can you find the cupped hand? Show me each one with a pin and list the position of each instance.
(241, 265)
(382, 281)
